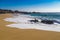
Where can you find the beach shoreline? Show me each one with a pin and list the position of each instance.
(22, 22)
(8, 33)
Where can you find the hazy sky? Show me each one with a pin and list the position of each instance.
(31, 5)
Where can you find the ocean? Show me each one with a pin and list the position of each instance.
(49, 16)
(22, 21)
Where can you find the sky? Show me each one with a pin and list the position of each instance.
(31, 5)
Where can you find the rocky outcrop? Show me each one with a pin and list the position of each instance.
(47, 22)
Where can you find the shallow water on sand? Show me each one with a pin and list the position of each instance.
(21, 22)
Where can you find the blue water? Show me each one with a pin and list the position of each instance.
(50, 16)
(47, 16)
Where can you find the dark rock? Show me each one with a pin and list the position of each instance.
(47, 21)
(35, 21)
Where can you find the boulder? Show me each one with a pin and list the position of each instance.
(47, 22)
(35, 21)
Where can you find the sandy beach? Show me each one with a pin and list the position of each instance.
(8, 33)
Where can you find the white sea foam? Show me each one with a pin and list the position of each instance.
(22, 22)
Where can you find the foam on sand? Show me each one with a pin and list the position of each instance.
(22, 22)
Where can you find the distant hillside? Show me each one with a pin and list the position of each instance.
(2, 11)
(8, 11)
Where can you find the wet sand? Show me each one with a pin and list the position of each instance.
(8, 33)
